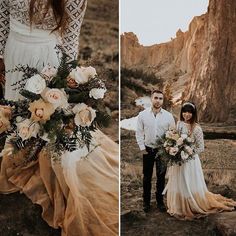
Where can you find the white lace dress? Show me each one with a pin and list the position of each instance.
(34, 46)
(187, 193)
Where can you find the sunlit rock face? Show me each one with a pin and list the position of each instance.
(200, 64)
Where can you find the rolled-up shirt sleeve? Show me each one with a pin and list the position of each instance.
(140, 133)
(4, 25)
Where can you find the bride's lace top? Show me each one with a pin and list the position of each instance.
(197, 135)
(19, 10)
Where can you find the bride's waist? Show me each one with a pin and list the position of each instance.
(27, 34)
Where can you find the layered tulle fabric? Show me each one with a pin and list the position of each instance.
(79, 195)
(187, 193)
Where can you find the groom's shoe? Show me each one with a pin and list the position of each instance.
(146, 208)
(161, 207)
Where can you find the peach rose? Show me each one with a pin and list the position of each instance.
(49, 72)
(40, 110)
(27, 129)
(84, 115)
(6, 111)
(4, 123)
(57, 97)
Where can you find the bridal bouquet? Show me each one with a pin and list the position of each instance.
(60, 108)
(175, 148)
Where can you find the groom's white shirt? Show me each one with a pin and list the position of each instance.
(151, 127)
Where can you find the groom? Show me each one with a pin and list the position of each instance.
(152, 123)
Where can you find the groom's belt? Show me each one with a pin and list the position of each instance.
(151, 150)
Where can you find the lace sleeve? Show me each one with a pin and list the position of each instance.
(70, 40)
(4, 25)
(199, 141)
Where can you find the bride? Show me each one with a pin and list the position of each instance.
(187, 193)
(79, 196)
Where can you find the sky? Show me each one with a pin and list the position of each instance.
(157, 21)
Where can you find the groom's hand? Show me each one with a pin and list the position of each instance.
(143, 152)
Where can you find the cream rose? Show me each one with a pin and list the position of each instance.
(84, 115)
(168, 134)
(35, 84)
(189, 150)
(184, 136)
(4, 123)
(97, 93)
(49, 72)
(27, 129)
(57, 97)
(183, 155)
(6, 111)
(190, 140)
(180, 141)
(78, 75)
(89, 72)
(165, 144)
(173, 151)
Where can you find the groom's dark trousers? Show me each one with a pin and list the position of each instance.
(148, 163)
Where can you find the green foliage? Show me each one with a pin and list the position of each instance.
(102, 119)
(29, 95)
(76, 96)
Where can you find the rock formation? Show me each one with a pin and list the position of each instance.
(200, 63)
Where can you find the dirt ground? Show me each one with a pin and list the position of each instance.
(219, 166)
(99, 44)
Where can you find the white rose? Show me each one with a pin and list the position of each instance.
(57, 97)
(190, 140)
(184, 136)
(35, 84)
(49, 71)
(27, 129)
(173, 151)
(84, 115)
(172, 129)
(189, 150)
(180, 141)
(168, 134)
(97, 93)
(89, 72)
(165, 144)
(78, 75)
(183, 155)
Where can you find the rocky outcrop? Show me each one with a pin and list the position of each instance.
(200, 63)
(213, 81)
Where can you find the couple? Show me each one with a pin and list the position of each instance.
(187, 193)
(79, 196)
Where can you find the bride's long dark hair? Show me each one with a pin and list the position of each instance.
(191, 108)
(59, 12)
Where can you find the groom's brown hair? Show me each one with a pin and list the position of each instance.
(156, 91)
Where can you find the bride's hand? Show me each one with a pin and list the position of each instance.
(2, 71)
